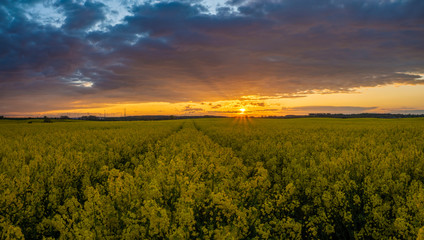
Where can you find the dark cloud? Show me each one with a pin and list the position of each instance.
(405, 110)
(174, 51)
(81, 16)
(191, 109)
(223, 112)
(260, 104)
(267, 110)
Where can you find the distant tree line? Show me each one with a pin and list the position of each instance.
(145, 117)
(365, 115)
(354, 115)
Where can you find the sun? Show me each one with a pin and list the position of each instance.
(242, 110)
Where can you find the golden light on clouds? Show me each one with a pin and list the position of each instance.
(392, 98)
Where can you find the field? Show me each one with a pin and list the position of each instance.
(213, 179)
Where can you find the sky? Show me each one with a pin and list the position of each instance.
(211, 57)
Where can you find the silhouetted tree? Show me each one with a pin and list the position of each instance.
(47, 120)
(91, 117)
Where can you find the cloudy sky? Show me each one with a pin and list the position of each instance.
(270, 57)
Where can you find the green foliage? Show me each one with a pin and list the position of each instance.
(213, 179)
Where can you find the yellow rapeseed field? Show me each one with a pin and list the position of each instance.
(236, 178)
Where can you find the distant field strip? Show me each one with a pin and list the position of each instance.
(213, 179)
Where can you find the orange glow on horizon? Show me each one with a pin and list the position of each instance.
(380, 99)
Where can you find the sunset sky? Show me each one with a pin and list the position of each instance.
(211, 57)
